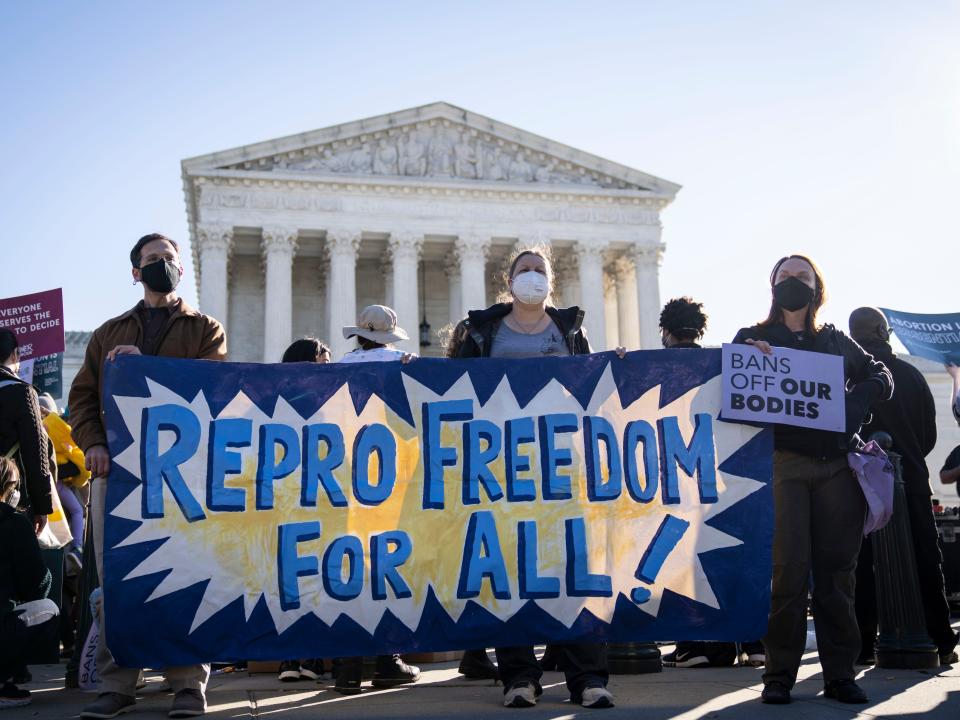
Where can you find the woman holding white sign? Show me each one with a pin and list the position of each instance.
(818, 505)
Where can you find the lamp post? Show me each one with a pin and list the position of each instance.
(424, 325)
(903, 640)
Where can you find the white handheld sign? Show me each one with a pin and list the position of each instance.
(787, 387)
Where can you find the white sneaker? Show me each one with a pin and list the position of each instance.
(597, 697)
(753, 660)
(522, 695)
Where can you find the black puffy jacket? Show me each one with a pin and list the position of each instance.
(20, 422)
(868, 380)
(477, 332)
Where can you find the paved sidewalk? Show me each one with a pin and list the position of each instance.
(442, 693)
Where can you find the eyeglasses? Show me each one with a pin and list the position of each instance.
(150, 259)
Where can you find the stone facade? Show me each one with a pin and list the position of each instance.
(419, 210)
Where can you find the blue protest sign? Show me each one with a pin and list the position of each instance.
(787, 387)
(935, 337)
(304, 510)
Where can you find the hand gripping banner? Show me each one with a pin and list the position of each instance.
(304, 510)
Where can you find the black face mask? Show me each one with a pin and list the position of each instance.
(792, 294)
(161, 276)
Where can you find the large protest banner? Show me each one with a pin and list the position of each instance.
(304, 510)
(935, 337)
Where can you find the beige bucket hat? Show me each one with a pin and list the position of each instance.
(377, 323)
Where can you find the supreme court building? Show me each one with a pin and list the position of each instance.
(420, 210)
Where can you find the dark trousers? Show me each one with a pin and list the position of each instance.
(818, 515)
(926, 550)
(17, 639)
(581, 663)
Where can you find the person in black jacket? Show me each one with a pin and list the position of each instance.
(910, 417)
(529, 327)
(27, 617)
(818, 506)
(950, 472)
(21, 433)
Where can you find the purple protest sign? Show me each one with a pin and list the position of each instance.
(789, 387)
(37, 321)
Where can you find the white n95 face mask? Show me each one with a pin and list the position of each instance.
(530, 288)
(14, 499)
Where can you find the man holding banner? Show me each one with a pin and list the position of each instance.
(818, 506)
(161, 324)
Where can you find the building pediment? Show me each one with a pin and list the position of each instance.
(437, 143)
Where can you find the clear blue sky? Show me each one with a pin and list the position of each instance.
(819, 127)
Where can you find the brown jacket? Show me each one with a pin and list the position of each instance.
(188, 334)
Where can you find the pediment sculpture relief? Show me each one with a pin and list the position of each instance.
(444, 152)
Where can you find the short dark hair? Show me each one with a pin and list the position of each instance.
(864, 323)
(684, 319)
(306, 349)
(135, 253)
(8, 343)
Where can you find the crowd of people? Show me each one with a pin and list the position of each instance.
(821, 562)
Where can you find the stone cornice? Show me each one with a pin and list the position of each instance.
(429, 186)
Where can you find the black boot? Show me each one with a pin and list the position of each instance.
(349, 675)
(392, 671)
(475, 665)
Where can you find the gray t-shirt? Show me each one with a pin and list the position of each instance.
(509, 343)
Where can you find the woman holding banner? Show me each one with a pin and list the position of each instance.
(818, 506)
(523, 328)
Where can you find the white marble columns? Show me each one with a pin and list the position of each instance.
(611, 313)
(216, 242)
(472, 251)
(342, 246)
(647, 259)
(590, 264)
(627, 308)
(405, 253)
(567, 274)
(279, 245)
(616, 284)
(451, 268)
